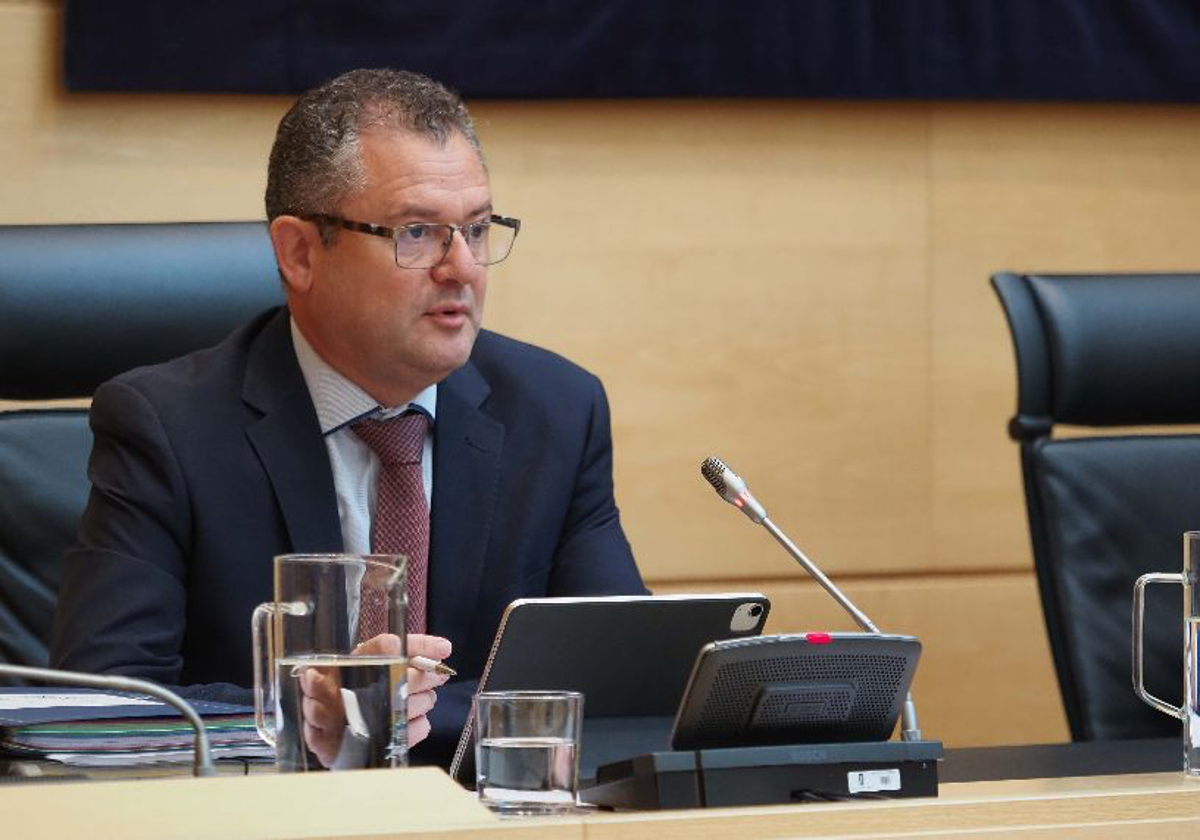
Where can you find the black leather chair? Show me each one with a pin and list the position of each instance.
(79, 304)
(1108, 352)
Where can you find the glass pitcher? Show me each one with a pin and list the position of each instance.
(1189, 712)
(325, 666)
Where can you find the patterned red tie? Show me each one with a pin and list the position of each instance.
(401, 524)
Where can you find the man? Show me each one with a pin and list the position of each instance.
(381, 217)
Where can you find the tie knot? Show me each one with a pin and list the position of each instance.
(396, 440)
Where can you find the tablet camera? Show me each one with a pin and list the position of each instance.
(746, 617)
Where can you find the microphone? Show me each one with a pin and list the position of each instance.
(730, 487)
(202, 752)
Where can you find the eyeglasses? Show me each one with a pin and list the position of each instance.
(424, 245)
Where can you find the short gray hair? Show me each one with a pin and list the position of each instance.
(316, 160)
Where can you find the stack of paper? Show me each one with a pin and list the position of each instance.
(94, 728)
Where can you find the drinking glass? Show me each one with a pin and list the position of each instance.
(1189, 712)
(527, 751)
(336, 689)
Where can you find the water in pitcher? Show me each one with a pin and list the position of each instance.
(527, 774)
(358, 720)
(1191, 696)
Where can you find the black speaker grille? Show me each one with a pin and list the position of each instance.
(868, 684)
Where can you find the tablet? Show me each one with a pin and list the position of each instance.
(631, 656)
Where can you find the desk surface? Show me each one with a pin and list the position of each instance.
(1116, 806)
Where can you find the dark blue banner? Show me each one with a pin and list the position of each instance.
(1092, 50)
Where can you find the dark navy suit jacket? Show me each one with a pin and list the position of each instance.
(206, 467)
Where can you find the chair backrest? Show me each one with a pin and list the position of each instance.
(1107, 352)
(78, 305)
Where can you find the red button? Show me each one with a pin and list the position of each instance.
(818, 638)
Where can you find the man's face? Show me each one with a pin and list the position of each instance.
(395, 331)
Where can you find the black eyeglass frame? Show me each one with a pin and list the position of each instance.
(395, 233)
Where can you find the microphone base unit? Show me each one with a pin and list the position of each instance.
(766, 775)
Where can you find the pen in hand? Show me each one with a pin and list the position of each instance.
(424, 663)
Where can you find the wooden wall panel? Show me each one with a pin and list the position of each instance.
(77, 158)
(734, 271)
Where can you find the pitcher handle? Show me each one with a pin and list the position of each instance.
(1139, 611)
(264, 651)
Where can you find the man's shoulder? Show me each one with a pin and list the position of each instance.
(500, 355)
(530, 388)
(201, 372)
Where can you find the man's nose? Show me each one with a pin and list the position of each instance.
(458, 263)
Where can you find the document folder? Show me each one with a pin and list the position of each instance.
(101, 728)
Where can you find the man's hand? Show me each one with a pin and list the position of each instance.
(325, 711)
(422, 684)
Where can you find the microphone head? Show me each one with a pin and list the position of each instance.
(713, 469)
(731, 488)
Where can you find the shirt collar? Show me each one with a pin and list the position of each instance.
(338, 401)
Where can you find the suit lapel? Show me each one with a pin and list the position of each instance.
(287, 439)
(466, 464)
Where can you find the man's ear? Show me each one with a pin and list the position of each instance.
(295, 241)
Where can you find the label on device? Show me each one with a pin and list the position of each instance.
(871, 781)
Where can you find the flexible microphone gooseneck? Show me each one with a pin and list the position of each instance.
(730, 487)
(202, 753)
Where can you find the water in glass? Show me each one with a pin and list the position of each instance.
(369, 701)
(527, 774)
